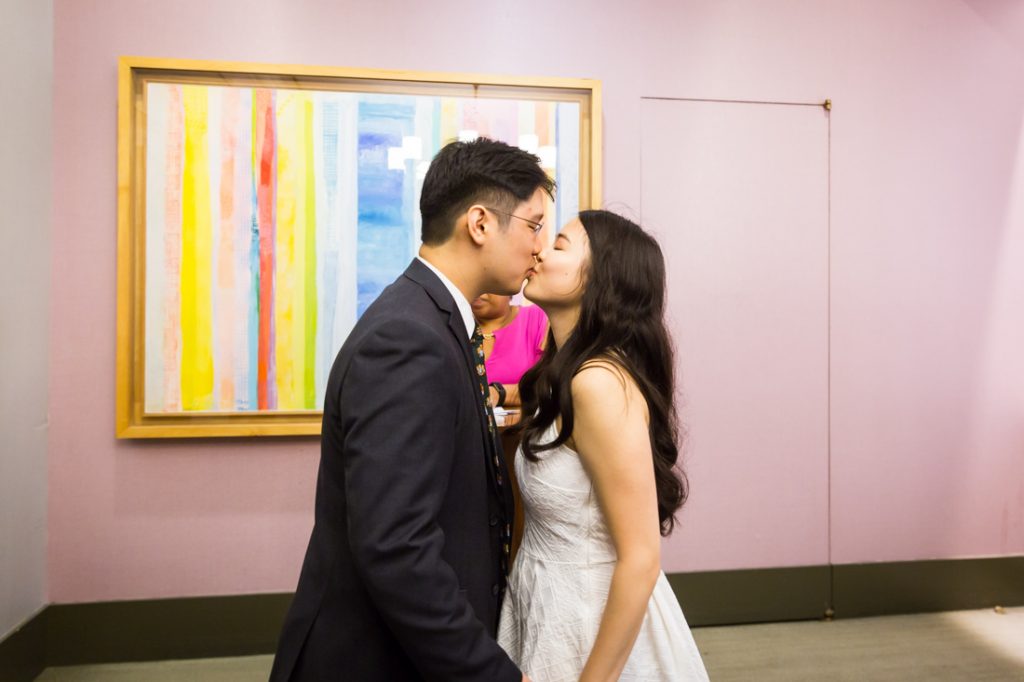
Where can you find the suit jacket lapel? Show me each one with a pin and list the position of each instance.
(435, 288)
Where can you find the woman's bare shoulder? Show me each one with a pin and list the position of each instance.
(603, 378)
(607, 403)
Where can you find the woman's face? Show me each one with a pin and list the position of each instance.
(557, 279)
(490, 306)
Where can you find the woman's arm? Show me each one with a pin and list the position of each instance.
(511, 395)
(611, 436)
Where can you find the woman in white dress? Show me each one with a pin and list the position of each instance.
(587, 599)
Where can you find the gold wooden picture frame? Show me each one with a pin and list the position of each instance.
(262, 207)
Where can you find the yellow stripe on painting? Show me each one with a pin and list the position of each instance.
(196, 257)
(450, 120)
(290, 249)
(309, 395)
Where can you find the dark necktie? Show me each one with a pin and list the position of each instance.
(477, 343)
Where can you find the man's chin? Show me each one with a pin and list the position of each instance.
(510, 289)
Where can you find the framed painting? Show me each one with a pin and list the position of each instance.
(262, 208)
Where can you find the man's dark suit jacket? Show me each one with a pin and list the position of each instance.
(401, 579)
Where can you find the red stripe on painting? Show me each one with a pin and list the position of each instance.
(542, 122)
(265, 200)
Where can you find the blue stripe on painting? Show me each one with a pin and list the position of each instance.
(558, 170)
(254, 300)
(383, 195)
(435, 139)
(330, 256)
(254, 265)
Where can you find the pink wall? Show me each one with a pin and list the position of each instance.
(927, 332)
(927, 382)
(737, 195)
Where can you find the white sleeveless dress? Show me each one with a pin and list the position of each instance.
(559, 584)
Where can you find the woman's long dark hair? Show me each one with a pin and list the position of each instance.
(621, 320)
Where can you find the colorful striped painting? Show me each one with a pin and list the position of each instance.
(274, 217)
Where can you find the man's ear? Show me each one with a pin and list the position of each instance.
(476, 227)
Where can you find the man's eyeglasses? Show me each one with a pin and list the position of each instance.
(535, 226)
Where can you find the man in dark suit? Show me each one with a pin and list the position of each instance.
(406, 566)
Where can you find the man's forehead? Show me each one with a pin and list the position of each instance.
(534, 205)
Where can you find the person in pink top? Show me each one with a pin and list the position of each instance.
(514, 338)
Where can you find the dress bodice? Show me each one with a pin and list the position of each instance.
(564, 523)
(561, 579)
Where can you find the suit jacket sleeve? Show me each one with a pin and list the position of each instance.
(398, 411)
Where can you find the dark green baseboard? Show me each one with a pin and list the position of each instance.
(150, 630)
(194, 627)
(753, 596)
(881, 589)
(848, 590)
(23, 651)
(202, 627)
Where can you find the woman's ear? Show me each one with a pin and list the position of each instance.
(476, 224)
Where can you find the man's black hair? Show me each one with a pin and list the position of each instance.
(484, 172)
